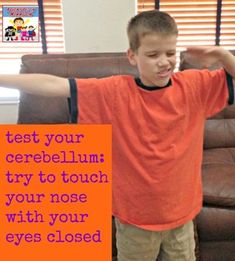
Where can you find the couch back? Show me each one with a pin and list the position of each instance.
(219, 129)
(49, 110)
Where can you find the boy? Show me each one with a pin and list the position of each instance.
(158, 121)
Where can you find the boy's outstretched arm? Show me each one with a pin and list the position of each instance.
(208, 56)
(39, 84)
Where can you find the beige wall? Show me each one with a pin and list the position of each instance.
(97, 25)
(9, 105)
(8, 112)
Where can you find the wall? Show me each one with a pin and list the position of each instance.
(9, 99)
(97, 26)
(8, 111)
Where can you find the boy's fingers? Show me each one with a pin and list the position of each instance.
(196, 49)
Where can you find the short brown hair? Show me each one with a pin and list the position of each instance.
(149, 22)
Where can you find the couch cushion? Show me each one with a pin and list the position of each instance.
(220, 131)
(34, 109)
(99, 67)
(218, 177)
(216, 224)
(78, 65)
(217, 251)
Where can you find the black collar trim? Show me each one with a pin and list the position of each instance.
(150, 88)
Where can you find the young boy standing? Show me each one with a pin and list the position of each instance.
(158, 122)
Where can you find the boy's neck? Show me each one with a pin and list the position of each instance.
(150, 88)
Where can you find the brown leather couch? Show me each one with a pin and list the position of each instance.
(215, 225)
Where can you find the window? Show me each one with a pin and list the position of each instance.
(197, 21)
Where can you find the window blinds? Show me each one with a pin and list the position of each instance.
(227, 38)
(197, 20)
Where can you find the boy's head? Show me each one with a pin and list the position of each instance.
(152, 38)
(147, 23)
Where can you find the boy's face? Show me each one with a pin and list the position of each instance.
(155, 59)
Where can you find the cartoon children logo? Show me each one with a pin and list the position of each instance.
(20, 23)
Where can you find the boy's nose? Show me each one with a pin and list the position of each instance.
(163, 61)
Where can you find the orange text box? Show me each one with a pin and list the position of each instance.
(55, 192)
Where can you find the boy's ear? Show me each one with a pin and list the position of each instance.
(131, 57)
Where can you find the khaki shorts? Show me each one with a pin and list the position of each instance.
(136, 244)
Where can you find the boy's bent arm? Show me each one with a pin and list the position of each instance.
(228, 62)
(39, 84)
(208, 56)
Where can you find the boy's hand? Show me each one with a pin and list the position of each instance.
(206, 56)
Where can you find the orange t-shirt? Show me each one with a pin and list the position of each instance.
(157, 142)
